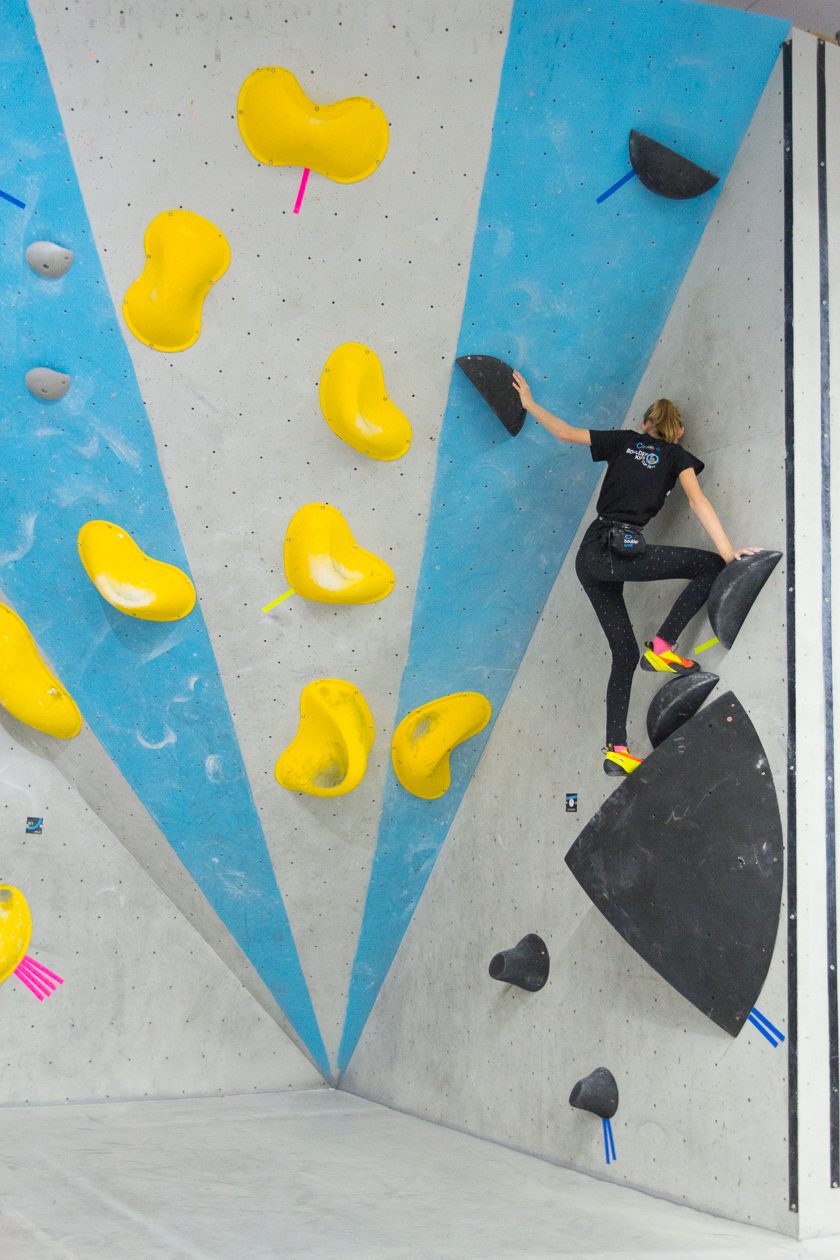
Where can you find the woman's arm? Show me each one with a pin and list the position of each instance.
(708, 518)
(565, 432)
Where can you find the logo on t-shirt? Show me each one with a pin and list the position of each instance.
(644, 454)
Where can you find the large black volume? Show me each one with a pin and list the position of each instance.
(493, 378)
(685, 860)
(735, 590)
(666, 172)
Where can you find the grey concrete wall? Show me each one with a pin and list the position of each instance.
(147, 93)
(147, 1009)
(703, 1119)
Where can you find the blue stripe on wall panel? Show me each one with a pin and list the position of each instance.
(575, 293)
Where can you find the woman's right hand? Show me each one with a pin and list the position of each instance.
(523, 390)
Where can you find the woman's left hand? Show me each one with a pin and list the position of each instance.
(740, 552)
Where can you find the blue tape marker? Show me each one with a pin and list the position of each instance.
(773, 1042)
(612, 1139)
(766, 1022)
(615, 187)
(8, 197)
(604, 1123)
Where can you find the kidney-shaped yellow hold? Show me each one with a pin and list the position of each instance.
(29, 690)
(328, 755)
(357, 408)
(129, 579)
(324, 562)
(15, 929)
(185, 256)
(421, 744)
(282, 127)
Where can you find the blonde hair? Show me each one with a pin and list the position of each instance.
(663, 416)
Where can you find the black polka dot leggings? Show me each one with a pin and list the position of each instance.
(603, 574)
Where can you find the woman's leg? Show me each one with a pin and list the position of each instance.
(607, 599)
(658, 564)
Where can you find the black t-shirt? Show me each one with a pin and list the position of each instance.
(641, 473)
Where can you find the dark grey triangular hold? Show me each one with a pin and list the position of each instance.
(666, 172)
(493, 378)
(526, 965)
(676, 702)
(735, 590)
(597, 1092)
(684, 859)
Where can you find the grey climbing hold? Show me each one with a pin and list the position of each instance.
(525, 965)
(597, 1092)
(46, 384)
(49, 260)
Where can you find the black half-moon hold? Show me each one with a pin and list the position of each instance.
(666, 172)
(597, 1092)
(676, 702)
(685, 860)
(735, 590)
(526, 965)
(493, 378)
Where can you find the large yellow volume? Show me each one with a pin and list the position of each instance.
(421, 744)
(130, 580)
(185, 256)
(324, 562)
(15, 929)
(357, 408)
(282, 127)
(328, 755)
(28, 688)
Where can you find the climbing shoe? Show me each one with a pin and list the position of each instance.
(667, 662)
(619, 763)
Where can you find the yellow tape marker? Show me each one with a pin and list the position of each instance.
(278, 600)
(708, 644)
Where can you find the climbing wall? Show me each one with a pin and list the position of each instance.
(702, 1118)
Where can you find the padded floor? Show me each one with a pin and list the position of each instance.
(318, 1174)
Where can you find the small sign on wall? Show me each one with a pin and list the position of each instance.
(571, 802)
(34, 826)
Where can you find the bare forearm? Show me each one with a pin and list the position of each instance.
(556, 426)
(708, 518)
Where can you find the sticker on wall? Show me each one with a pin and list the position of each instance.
(29, 690)
(323, 561)
(422, 743)
(185, 256)
(571, 802)
(356, 406)
(328, 755)
(131, 581)
(34, 826)
(15, 935)
(281, 126)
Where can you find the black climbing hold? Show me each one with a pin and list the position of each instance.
(666, 172)
(493, 378)
(597, 1092)
(676, 702)
(685, 860)
(735, 590)
(526, 965)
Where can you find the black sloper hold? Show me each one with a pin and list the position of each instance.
(676, 702)
(526, 965)
(666, 172)
(735, 590)
(684, 859)
(493, 378)
(597, 1092)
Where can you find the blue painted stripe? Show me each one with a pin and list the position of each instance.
(151, 693)
(15, 202)
(619, 183)
(769, 1036)
(575, 296)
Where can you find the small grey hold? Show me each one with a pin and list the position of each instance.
(5, 894)
(46, 384)
(49, 260)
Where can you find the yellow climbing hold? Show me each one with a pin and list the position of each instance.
(324, 562)
(356, 407)
(282, 127)
(129, 579)
(15, 929)
(328, 755)
(422, 742)
(29, 690)
(185, 256)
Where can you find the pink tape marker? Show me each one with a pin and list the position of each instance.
(303, 182)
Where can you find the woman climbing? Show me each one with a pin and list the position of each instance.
(642, 469)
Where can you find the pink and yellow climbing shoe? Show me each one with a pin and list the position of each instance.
(666, 662)
(620, 761)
